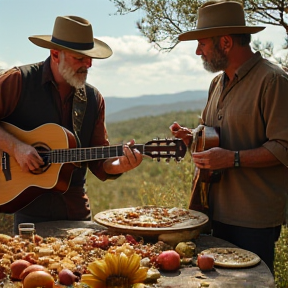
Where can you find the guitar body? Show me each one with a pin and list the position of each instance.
(206, 138)
(18, 192)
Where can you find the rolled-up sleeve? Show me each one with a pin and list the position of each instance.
(275, 102)
(10, 88)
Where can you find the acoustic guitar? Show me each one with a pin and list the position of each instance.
(57, 147)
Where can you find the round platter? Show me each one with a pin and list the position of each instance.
(232, 257)
(145, 220)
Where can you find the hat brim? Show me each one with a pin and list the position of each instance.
(197, 34)
(100, 50)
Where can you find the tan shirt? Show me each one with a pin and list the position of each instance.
(251, 113)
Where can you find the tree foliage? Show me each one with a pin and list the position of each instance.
(267, 12)
(152, 182)
(164, 20)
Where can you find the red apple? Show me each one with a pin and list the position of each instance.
(205, 262)
(168, 260)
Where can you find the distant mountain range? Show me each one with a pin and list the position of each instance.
(121, 109)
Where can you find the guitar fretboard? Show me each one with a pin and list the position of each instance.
(84, 154)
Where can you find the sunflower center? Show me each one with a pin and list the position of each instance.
(117, 281)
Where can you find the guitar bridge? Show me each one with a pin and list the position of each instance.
(6, 166)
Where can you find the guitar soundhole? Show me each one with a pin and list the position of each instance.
(42, 150)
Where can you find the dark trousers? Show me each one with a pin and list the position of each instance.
(260, 241)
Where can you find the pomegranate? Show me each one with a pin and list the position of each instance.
(168, 260)
(67, 277)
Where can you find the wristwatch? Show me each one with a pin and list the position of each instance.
(236, 159)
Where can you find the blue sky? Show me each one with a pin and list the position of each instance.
(134, 69)
(22, 18)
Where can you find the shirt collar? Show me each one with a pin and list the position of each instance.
(248, 65)
(243, 69)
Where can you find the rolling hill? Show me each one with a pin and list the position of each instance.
(121, 108)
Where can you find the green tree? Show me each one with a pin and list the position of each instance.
(267, 12)
(163, 20)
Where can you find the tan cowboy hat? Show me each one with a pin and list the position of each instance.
(222, 18)
(74, 34)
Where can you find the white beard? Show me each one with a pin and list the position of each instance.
(75, 79)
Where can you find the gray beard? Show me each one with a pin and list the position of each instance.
(77, 79)
(219, 61)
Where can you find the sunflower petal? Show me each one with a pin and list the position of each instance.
(139, 276)
(112, 263)
(93, 282)
(99, 269)
(87, 276)
(134, 263)
(124, 265)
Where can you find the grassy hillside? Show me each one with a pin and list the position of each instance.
(116, 104)
(154, 110)
(159, 178)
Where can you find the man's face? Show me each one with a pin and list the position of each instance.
(213, 56)
(74, 68)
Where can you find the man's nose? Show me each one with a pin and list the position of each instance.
(198, 50)
(87, 61)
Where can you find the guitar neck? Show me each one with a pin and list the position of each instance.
(65, 140)
(85, 154)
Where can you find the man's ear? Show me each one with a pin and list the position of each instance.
(55, 56)
(226, 43)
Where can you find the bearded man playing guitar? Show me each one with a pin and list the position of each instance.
(55, 91)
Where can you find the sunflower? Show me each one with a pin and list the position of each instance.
(115, 270)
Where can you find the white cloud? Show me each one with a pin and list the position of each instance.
(136, 68)
(274, 34)
(4, 65)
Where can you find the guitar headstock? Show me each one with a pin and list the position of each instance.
(165, 148)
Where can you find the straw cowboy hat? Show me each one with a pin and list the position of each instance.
(74, 34)
(221, 18)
